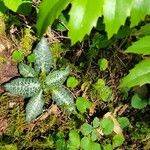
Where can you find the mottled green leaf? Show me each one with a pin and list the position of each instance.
(34, 106)
(63, 98)
(140, 9)
(57, 77)
(25, 87)
(138, 76)
(142, 46)
(115, 13)
(43, 56)
(26, 70)
(49, 10)
(83, 16)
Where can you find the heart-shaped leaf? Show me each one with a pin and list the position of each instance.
(25, 87)
(34, 106)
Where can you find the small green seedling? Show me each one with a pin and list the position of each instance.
(102, 91)
(72, 82)
(124, 122)
(17, 56)
(31, 58)
(118, 140)
(137, 102)
(107, 125)
(40, 81)
(74, 140)
(103, 64)
(83, 104)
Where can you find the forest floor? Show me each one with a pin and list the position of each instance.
(50, 130)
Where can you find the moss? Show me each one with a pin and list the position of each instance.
(27, 41)
(2, 26)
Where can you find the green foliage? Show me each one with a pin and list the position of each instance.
(9, 147)
(144, 30)
(20, 6)
(138, 76)
(124, 122)
(113, 17)
(43, 57)
(107, 125)
(142, 46)
(96, 122)
(25, 87)
(29, 86)
(27, 71)
(94, 135)
(103, 64)
(83, 104)
(88, 144)
(17, 56)
(137, 102)
(34, 106)
(108, 147)
(57, 77)
(118, 140)
(86, 129)
(48, 12)
(82, 12)
(72, 82)
(74, 139)
(100, 41)
(31, 58)
(102, 91)
(139, 11)
(63, 98)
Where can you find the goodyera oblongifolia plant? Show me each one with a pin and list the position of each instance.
(38, 81)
